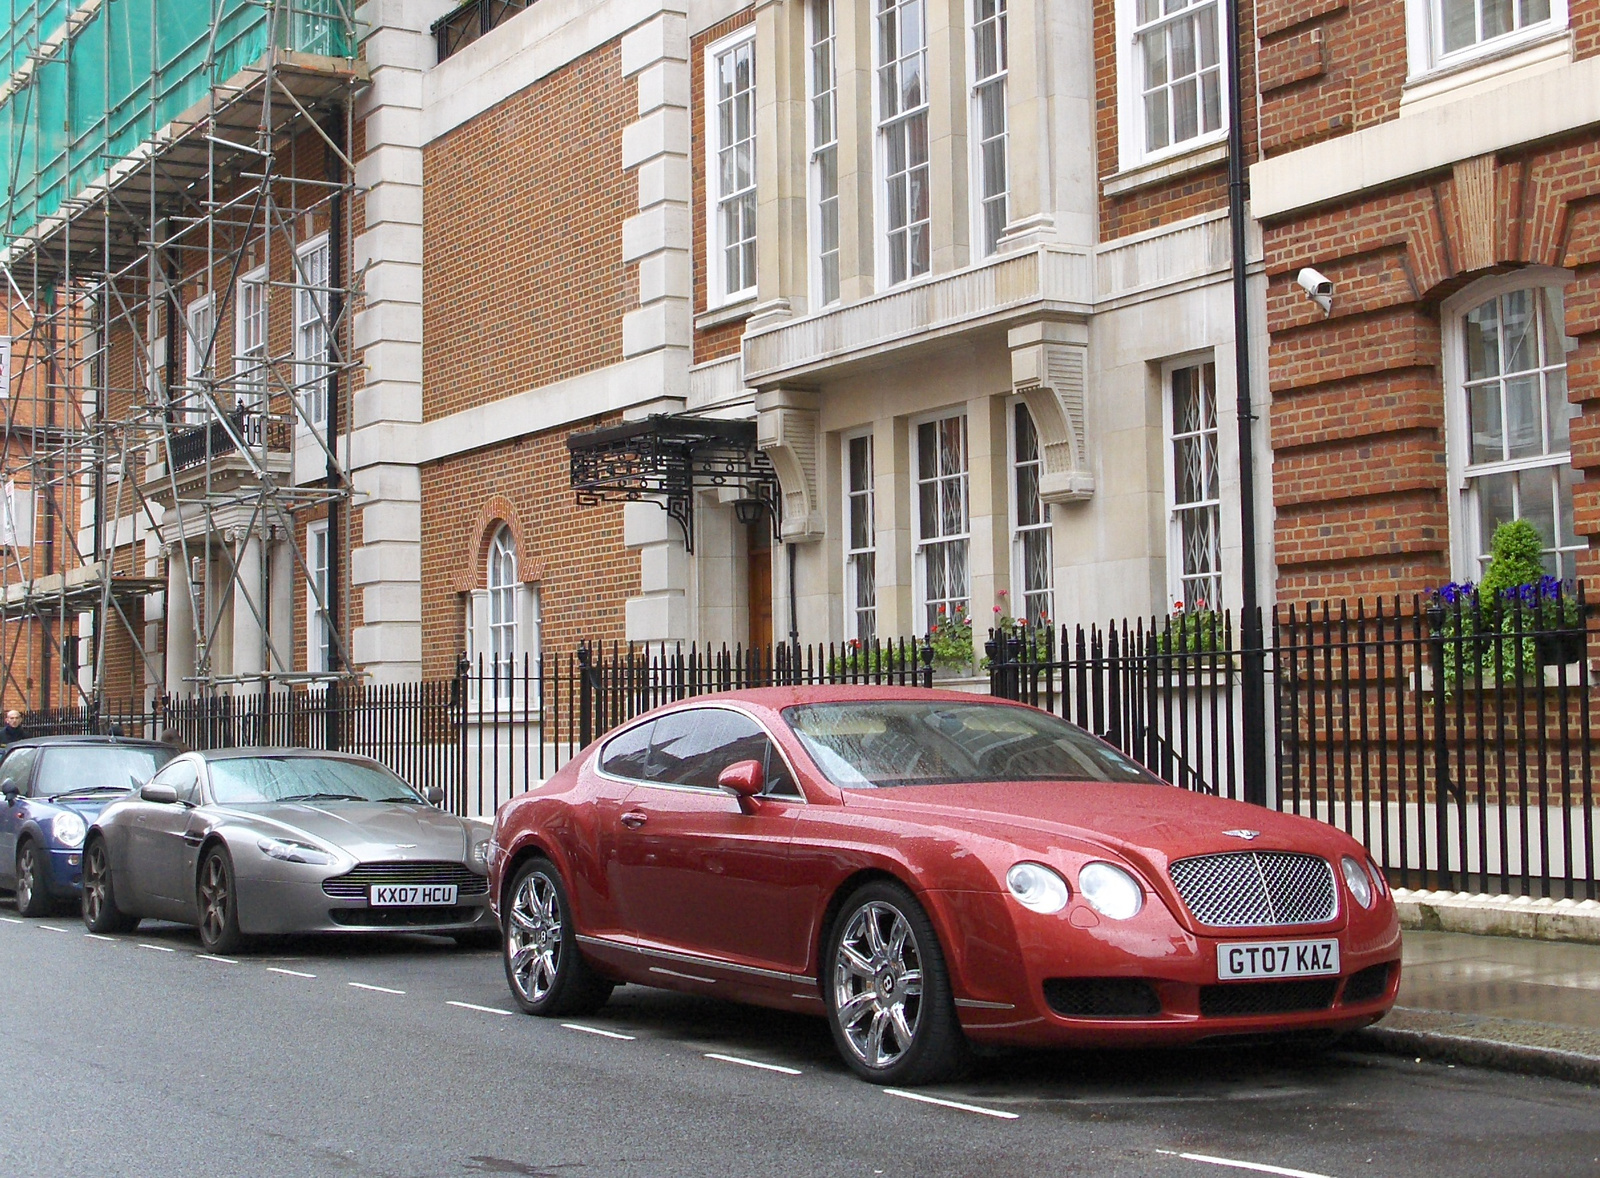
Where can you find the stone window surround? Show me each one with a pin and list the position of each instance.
(1130, 107)
(1464, 562)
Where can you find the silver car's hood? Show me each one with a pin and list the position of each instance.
(368, 830)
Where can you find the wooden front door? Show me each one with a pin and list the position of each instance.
(758, 549)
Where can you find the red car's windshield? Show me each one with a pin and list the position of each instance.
(865, 745)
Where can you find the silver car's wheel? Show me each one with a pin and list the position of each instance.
(100, 911)
(548, 975)
(877, 984)
(218, 903)
(888, 993)
(533, 937)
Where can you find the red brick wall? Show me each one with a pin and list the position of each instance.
(523, 280)
(1358, 403)
(1190, 194)
(576, 554)
(717, 342)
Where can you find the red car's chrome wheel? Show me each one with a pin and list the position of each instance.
(547, 974)
(889, 996)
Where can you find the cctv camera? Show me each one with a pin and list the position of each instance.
(1318, 287)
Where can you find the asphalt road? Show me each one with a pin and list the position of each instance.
(140, 1056)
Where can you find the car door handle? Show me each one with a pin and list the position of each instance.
(634, 819)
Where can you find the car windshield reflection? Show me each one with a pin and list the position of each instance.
(97, 769)
(908, 742)
(242, 781)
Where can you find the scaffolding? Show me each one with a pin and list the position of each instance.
(175, 252)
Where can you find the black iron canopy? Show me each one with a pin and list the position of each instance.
(669, 456)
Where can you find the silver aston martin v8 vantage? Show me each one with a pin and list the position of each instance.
(244, 842)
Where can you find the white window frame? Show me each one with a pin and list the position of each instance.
(199, 352)
(717, 292)
(504, 585)
(319, 639)
(883, 251)
(999, 80)
(1018, 530)
(1176, 588)
(821, 296)
(311, 330)
(1468, 545)
(1425, 38)
(847, 496)
(1131, 129)
(920, 545)
(250, 339)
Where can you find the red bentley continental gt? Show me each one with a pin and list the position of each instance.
(930, 869)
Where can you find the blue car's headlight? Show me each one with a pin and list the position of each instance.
(289, 851)
(67, 829)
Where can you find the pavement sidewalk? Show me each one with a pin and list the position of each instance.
(1494, 1001)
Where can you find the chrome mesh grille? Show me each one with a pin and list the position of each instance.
(1253, 889)
(353, 885)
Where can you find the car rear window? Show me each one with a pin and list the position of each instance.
(875, 744)
(67, 768)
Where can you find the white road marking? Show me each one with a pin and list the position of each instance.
(214, 957)
(599, 1031)
(12, 920)
(374, 989)
(50, 928)
(1236, 1164)
(98, 937)
(484, 1009)
(293, 973)
(158, 948)
(753, 1063)
(955, 1104)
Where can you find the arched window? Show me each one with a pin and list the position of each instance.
(1506, 375)
(503, 587)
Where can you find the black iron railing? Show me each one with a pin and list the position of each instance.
(466, 24)
(203, 443)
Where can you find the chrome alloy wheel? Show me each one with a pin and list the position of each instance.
(216, 897)
(96, 882)
(877, 984)
(24, 890)
(533, 937)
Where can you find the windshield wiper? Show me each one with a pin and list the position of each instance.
(89, 789)
(326, 798)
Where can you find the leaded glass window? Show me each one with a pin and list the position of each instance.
(1195, 551)
(503, 585)
(1030, 537)
(942, 523)
(861, 555)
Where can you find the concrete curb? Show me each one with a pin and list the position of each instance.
(1523, 1058)
(1499, 916)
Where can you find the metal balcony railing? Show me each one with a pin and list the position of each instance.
(472, 20)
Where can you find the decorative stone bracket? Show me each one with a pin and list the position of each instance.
(1049, 371)
(788, 431)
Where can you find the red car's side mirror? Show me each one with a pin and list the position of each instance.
(745, 778)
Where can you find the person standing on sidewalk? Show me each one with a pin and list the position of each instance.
(13, 730)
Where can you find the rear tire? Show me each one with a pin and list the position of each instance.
(32, 898)
(218, 903)
(547, 974)
(100, 912)
(884, 979)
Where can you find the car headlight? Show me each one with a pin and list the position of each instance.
(1038, 888)
(1357, 880)
(67, 829)
(1111, 890)
(1378, 882)
(289, 851)
(480, 854)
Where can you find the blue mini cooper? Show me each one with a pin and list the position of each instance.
(52, 788)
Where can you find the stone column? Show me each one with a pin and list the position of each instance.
(281, 626)
(179, 622)
(249, 607)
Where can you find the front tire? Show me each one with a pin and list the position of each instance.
(32, 897)
(547, 974)
(218, 903)
(888, 991)
(100, 912)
